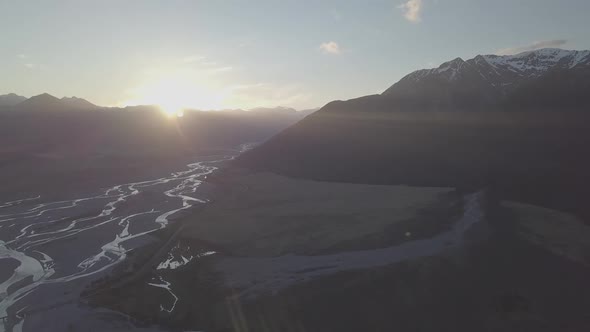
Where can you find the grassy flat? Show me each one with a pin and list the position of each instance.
(265, 214)
(559, 232)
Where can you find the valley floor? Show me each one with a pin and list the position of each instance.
(272, 252)
(280, 254)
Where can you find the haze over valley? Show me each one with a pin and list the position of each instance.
(416, 165)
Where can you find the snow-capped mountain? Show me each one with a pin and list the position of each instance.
(494, 68)
(521, 123)
(535, 63)
(493, 79)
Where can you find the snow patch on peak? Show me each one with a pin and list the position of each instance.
(448, 70)
(556, 53)
(579, 57)
(504, 72)
(535, 63)
(419, 74)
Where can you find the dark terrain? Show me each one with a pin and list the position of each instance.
(84, 186)
(537, 157)
(77, 148)
(496, 282)
(519, 125)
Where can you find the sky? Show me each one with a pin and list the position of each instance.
(243, 54)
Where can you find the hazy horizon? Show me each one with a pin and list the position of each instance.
(212, 55)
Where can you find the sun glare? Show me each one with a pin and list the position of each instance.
(175, 94)
(171, 108)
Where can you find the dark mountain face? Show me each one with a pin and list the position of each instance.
(529, 144)
(11, 99)
(454, 85)
(42, 101)
(43, 150)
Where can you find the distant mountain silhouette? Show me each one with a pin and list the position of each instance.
(11, 99)
(518, 124)
(46, 102)
(273, 109)
(78, 103)
(42, 101)
(287, 112)
(45, 145)
(283, 110)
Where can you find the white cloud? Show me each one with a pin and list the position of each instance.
(28, 62)
(412, 10)
(330, 47)
(203, 64)
(554, 43)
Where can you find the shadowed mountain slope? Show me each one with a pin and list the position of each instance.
(518, 124)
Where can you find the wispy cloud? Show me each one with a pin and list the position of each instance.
(553, 43)
(266, 95)
(193, 59)
(27, 62)
(412, 10)
(221, 69)
(203, 64)
(330, 47)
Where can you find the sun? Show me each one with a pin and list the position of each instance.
(172, 108)
(174, 94)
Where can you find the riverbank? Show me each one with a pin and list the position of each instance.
(104, 228)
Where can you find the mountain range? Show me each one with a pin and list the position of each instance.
(545, 79)
(48, 142)
(45, 102)
(11, 99)
(519, 124)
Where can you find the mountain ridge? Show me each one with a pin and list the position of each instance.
(527, 144)
(490, 81)
(531, 63)
(11, 99)
(79, 103)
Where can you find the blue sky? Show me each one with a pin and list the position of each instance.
(237, 53)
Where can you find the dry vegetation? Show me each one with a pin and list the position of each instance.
(267, 214)
(559, 232)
